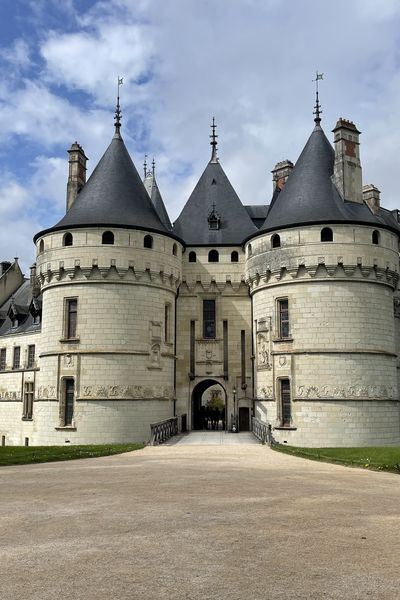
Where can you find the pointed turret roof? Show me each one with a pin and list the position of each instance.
(311, 197)
(214, 193)
(114, 196)
(153, 191)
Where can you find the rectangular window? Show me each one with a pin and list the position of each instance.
(283, 316)
(167, 313)
(3, 359)
(209, 319)
(71, 317)
(31, 356)
(69, 401)
(28, 400)
(286, 407)
(17, 357)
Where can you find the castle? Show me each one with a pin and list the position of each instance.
(287, 311)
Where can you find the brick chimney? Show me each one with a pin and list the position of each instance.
(371, 197)
(280, 173)
(77, 172)
(347, 171)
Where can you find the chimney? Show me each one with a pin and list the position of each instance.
(34, 281)
(371, 197)
(77, 172)
(347, 170)
(280, 173)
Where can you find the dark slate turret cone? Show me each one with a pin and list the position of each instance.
(311, 197)
(114, 196)
(214, 193)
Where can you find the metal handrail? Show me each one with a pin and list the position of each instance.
(262, 431)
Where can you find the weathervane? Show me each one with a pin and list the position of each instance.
(117, 117)
(317, 112)
(213, 142)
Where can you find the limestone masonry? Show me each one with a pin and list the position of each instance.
(286, 313)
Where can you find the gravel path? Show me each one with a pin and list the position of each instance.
(185, 521)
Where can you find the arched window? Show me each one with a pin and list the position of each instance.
(67, 239)
(192, 256)
(213, 256)
(147, 241)
(375, 237)
(174, 249)
(249, 250)
(234, 256)
(326, 234)
(107, 237)
(41, 246)
(276, 241)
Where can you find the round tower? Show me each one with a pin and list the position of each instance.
(109, 272)
(322, 271)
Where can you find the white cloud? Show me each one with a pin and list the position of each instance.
(18, 55)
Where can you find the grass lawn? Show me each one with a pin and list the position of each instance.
(381, 458)
(21, 455)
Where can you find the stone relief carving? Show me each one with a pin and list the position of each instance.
(129, 392)
(155, 355)
(8, 395)
(265, 392)
(396, 307)
(208, 351)
(46, 392)
(262, 352)
(355, 391)
(69, 360)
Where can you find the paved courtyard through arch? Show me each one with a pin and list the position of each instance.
(191, 521)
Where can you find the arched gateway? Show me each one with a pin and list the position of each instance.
(209, 409)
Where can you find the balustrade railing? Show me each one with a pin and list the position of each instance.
(262, 431)
(162, 431)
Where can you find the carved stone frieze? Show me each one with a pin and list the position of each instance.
(46, 392)
(380, 392)
(9, 395)
(265, 392)
(208, 351)
(129, 392)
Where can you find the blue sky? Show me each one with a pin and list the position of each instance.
(248, 62)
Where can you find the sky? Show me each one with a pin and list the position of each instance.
(249, 63)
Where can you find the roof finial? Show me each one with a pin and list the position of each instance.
(145, 166)
(317, 112)
(213, 142)
(117, 117)
(153, 167)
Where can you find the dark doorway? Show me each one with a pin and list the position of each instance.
(209, 409)
(244, 418)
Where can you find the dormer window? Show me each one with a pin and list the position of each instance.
(213, 219)
(14, 322)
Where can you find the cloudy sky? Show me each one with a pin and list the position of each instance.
(249, 63)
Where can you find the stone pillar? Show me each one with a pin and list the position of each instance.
(77, 172)
(347, 170)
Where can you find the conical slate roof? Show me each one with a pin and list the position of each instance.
(114, 196)
(151, 186)
(214, 191)
(310, 196)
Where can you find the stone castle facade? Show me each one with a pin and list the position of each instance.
(289, 309)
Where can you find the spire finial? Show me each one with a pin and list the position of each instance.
(153, 167)
(318, 111)
(145, 166)
(117, 118)
(213, 142)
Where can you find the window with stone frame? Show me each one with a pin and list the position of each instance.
(71, 318)
(28, 400)
(17, 357)
(3, 359)
(283, 317)
(285, 401)
(67, 404)
(31, 356)
(209, 329)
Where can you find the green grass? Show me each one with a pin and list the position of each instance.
(381, 458)
(22, 455)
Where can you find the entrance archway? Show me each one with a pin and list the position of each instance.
(209, 410)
